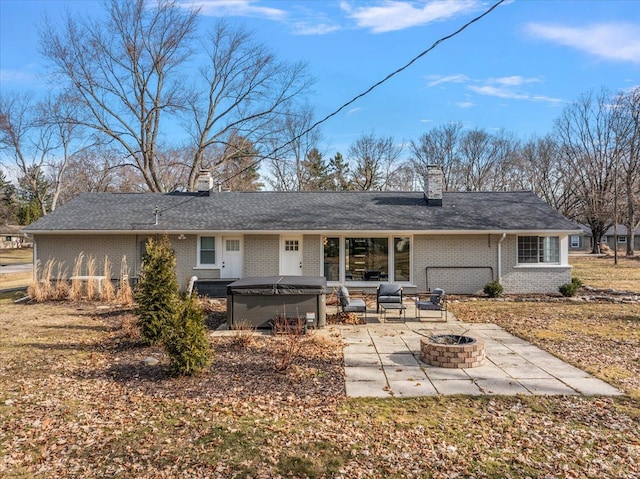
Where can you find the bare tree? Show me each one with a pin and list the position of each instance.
(373, 162)
(506, 168)
(239, 170)
(478, 160)
(123, 71)
(586, 136)
(99, 169)
(247, 92)
(627, 125)
(543, 173)
(27, 141)
(439, 146)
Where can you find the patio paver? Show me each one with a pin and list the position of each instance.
(382, 360)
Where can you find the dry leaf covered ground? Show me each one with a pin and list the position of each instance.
(76, 401)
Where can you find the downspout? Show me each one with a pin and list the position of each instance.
(504, 235)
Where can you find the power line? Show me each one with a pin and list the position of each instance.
(370, 89)
(357, 97)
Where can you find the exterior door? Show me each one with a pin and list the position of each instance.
(291, 256)
(231, 257)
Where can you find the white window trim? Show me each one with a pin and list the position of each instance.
(217, 246)
(622, 239)
(562, 261)
(577, 242)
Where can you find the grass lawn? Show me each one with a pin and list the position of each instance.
(601, 272)
(16, 255)
(15, 280)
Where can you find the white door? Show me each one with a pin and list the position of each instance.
(231, 257)
(291, 256)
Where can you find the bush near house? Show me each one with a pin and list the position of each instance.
(157, 293)
(570, 289)
(493, 289)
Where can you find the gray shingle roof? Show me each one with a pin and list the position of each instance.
(304, 211)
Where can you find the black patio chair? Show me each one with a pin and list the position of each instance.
(351, 305)
(388, 293)
(437, 301)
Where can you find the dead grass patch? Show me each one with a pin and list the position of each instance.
(15, 280)
(601, 272)
(16, 255)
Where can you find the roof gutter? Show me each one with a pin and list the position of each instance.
(504, 235)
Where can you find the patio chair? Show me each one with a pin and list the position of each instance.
(436, 301)
(351, 305)
(388, 293)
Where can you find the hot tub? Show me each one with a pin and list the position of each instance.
(258, 301)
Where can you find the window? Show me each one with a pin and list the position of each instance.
(367, 259)
(291, 245)
(401, 259)
(604, 239)
(331, 258)
(575, 241)
(538, 249)
(622, 239)
(207, 253)
(232, 245)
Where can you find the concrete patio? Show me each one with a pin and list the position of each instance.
(382, 359)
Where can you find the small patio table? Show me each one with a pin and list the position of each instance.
(401, 308)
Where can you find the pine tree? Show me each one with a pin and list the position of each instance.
(187, 343)
(157, 292)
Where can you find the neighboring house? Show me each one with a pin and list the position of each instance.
(423, 240)
(580, 241)
(613, 236)
(11, 237)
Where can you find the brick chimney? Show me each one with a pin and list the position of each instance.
(433, 185)
(204, 182)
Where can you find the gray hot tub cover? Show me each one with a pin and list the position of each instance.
(270, 285)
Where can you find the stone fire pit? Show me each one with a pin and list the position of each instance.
(452, 351)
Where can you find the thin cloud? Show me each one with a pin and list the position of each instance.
(435, 80)
(16, 76)
(514, 80)
(354, 110)
(497, 92)
(501, 90)
(611, 41)
(304, 28)
(392, 15)
(236, 8)
(465, 104)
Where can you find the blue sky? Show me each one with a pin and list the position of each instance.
(515, 69)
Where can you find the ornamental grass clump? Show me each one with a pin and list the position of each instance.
(107, 293)
(75, 291)
(61, 289)
(124, 295)
(157, 292)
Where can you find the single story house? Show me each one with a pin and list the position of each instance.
(422, 240)
(11, 237)
(614, 236)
